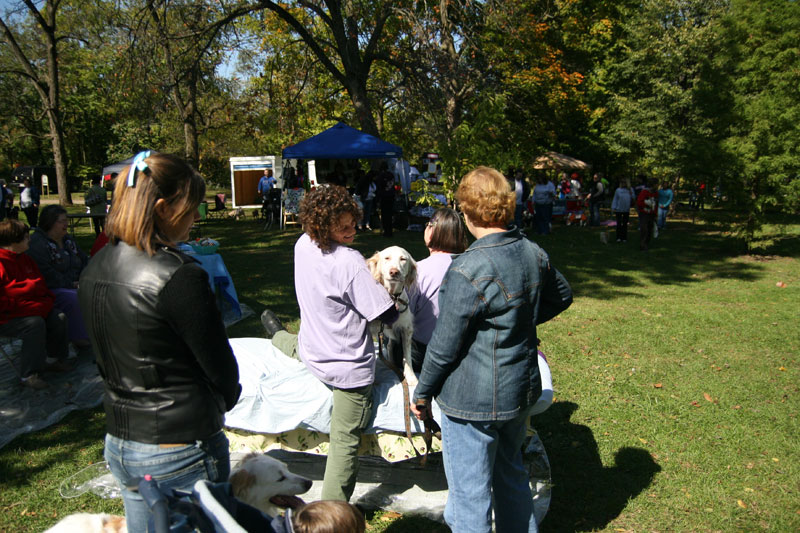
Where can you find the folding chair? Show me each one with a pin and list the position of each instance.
(219, 206)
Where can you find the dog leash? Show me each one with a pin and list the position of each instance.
(431, 426)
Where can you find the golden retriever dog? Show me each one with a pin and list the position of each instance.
(258, 480)
(267, 484)
(396, 270)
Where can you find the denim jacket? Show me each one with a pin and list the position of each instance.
(481, 363)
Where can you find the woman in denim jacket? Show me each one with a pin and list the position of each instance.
(481, 363)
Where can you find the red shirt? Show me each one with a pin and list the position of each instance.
(647, 202)
(24, 292)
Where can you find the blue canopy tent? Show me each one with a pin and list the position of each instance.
(342, 142)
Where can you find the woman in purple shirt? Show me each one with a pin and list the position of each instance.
(444, 236)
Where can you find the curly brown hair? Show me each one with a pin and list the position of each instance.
(321, 209)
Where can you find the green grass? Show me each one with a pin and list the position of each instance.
(676, 377)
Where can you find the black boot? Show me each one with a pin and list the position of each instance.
(272, 324)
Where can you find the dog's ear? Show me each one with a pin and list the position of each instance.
(411, 278)
(372, 264)
(241, 480)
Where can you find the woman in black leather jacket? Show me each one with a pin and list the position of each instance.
(168, 369)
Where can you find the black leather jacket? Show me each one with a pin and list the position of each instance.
(168, 369)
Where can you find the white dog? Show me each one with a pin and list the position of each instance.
(258, 480)
(267, 484)
(396, 270)
(90, 523)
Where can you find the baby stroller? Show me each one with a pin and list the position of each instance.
(271, 208)
(208, 508)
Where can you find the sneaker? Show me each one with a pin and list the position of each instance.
(34, 382)
(61, 365)
(272, 324)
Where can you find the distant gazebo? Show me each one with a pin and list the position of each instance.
(556, 161)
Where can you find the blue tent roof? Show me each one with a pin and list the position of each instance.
(342, 142)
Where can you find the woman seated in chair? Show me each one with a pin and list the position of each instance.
(27, 309)
(61, 262)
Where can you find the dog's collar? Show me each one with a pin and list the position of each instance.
(397, 299)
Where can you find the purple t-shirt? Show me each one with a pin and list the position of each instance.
(338, 297)
(425, 298)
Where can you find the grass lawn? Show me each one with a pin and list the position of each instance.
(676, 376)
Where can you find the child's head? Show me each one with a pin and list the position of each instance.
(328, 215)
(328, 516)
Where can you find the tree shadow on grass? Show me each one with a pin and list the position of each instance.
(683, 254)
(587, 495)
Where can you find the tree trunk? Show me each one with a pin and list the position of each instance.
(49, 90)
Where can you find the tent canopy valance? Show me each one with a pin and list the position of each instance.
(117, 167)
(556, 161)
(342, 142)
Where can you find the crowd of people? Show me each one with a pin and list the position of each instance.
(652, 201)
(169, 372)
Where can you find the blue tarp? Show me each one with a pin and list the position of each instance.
(342, 142)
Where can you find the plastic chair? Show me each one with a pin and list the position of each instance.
(219, 206)
(291, 207)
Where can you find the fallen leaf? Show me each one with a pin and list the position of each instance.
(696, 403)
(741, 504)
(748, 489)
(775, 459)
(643, 441)
(708, 397)
(737, 406)
(390, 515)
(781, 284)
(657, 385)
(782, 369)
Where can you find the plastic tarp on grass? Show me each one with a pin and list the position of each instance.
(342, 142)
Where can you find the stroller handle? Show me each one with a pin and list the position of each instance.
(156, 501)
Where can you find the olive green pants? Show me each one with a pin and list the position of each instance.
(352, 411)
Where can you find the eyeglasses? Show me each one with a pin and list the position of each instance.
(431, 224)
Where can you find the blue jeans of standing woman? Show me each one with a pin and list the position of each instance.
(481, 460)
(175, 466)
(662, 217)
(543, 214)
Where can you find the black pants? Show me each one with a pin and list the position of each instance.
(622, 225)
(41, 337)
(387, 212)
(646, 221)
(32, 214)
(99, 223)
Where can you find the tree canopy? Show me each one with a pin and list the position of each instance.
(686, 90)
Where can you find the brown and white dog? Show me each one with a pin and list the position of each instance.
(267, 484)
(396, 270)
(258, 480)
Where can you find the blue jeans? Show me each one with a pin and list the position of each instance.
(481, 460)
(662, 217)
(173, 466)
(594, 219)
(543, 214)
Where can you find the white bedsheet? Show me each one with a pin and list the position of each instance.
(279, 394)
